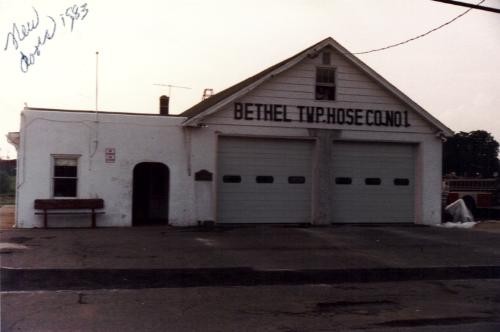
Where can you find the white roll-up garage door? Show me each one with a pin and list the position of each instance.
(373, 183)
(264, 180)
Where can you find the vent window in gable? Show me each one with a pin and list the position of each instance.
(325, 84)
(326, 58)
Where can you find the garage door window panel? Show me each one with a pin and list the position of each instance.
(401, 182)
(264, 179)
(343, 180)
(296, 179)
(231, 179)
(373, 181)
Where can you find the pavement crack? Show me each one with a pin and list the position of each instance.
(444, 287)
(435, 321)
(329, 305)
(20, 239)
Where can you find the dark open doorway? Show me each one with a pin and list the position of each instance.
(150, 194)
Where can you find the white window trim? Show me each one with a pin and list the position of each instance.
(53, 157)
(335, 85)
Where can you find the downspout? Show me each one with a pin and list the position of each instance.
(188, 144)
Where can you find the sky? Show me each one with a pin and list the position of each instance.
(453, 73)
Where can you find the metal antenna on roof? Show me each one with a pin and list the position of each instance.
(96, 120)
(170, 86)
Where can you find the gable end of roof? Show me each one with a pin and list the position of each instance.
(205, 107)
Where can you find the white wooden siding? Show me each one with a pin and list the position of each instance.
(296, 86)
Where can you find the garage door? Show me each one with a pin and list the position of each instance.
(264, 180)
(373, 183)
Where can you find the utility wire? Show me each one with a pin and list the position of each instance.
(470, 5)
(421, 35)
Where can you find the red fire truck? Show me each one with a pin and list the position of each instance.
(481, 193)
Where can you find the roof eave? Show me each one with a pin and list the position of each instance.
(312, 51)
(193, 121)
(398, 93)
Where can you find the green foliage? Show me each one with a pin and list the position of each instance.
(7, 183)
(470, 154)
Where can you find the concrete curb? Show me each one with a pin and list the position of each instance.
(86, 279)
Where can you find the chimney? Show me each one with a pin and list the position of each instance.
(164, 105)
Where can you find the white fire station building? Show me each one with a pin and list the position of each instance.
(318, 138)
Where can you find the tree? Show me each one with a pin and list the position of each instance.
(7, 177)
(471, 154)
(7, 183)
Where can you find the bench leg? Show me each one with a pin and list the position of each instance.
(44, 218)
(93, 219)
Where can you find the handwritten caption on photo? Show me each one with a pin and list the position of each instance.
(30, 37)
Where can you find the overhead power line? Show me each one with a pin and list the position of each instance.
(421, 35)
(470, 5)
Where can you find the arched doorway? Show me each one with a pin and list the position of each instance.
(150, 194)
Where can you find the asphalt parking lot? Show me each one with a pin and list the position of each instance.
(273, 278)
(257, 247)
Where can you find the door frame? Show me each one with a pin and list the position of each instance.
(166, 171)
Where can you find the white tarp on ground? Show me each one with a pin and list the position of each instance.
(459, 211)
(469, 224)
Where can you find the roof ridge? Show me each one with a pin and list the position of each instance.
(210, 103)
(204, 104)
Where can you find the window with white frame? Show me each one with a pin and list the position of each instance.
(325, 84)
(65, 176)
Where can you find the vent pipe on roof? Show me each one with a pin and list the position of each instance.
(164, 100)
(207, 93)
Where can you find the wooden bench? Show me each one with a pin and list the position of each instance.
(91, 204)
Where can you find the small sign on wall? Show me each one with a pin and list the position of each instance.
(110, 154)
